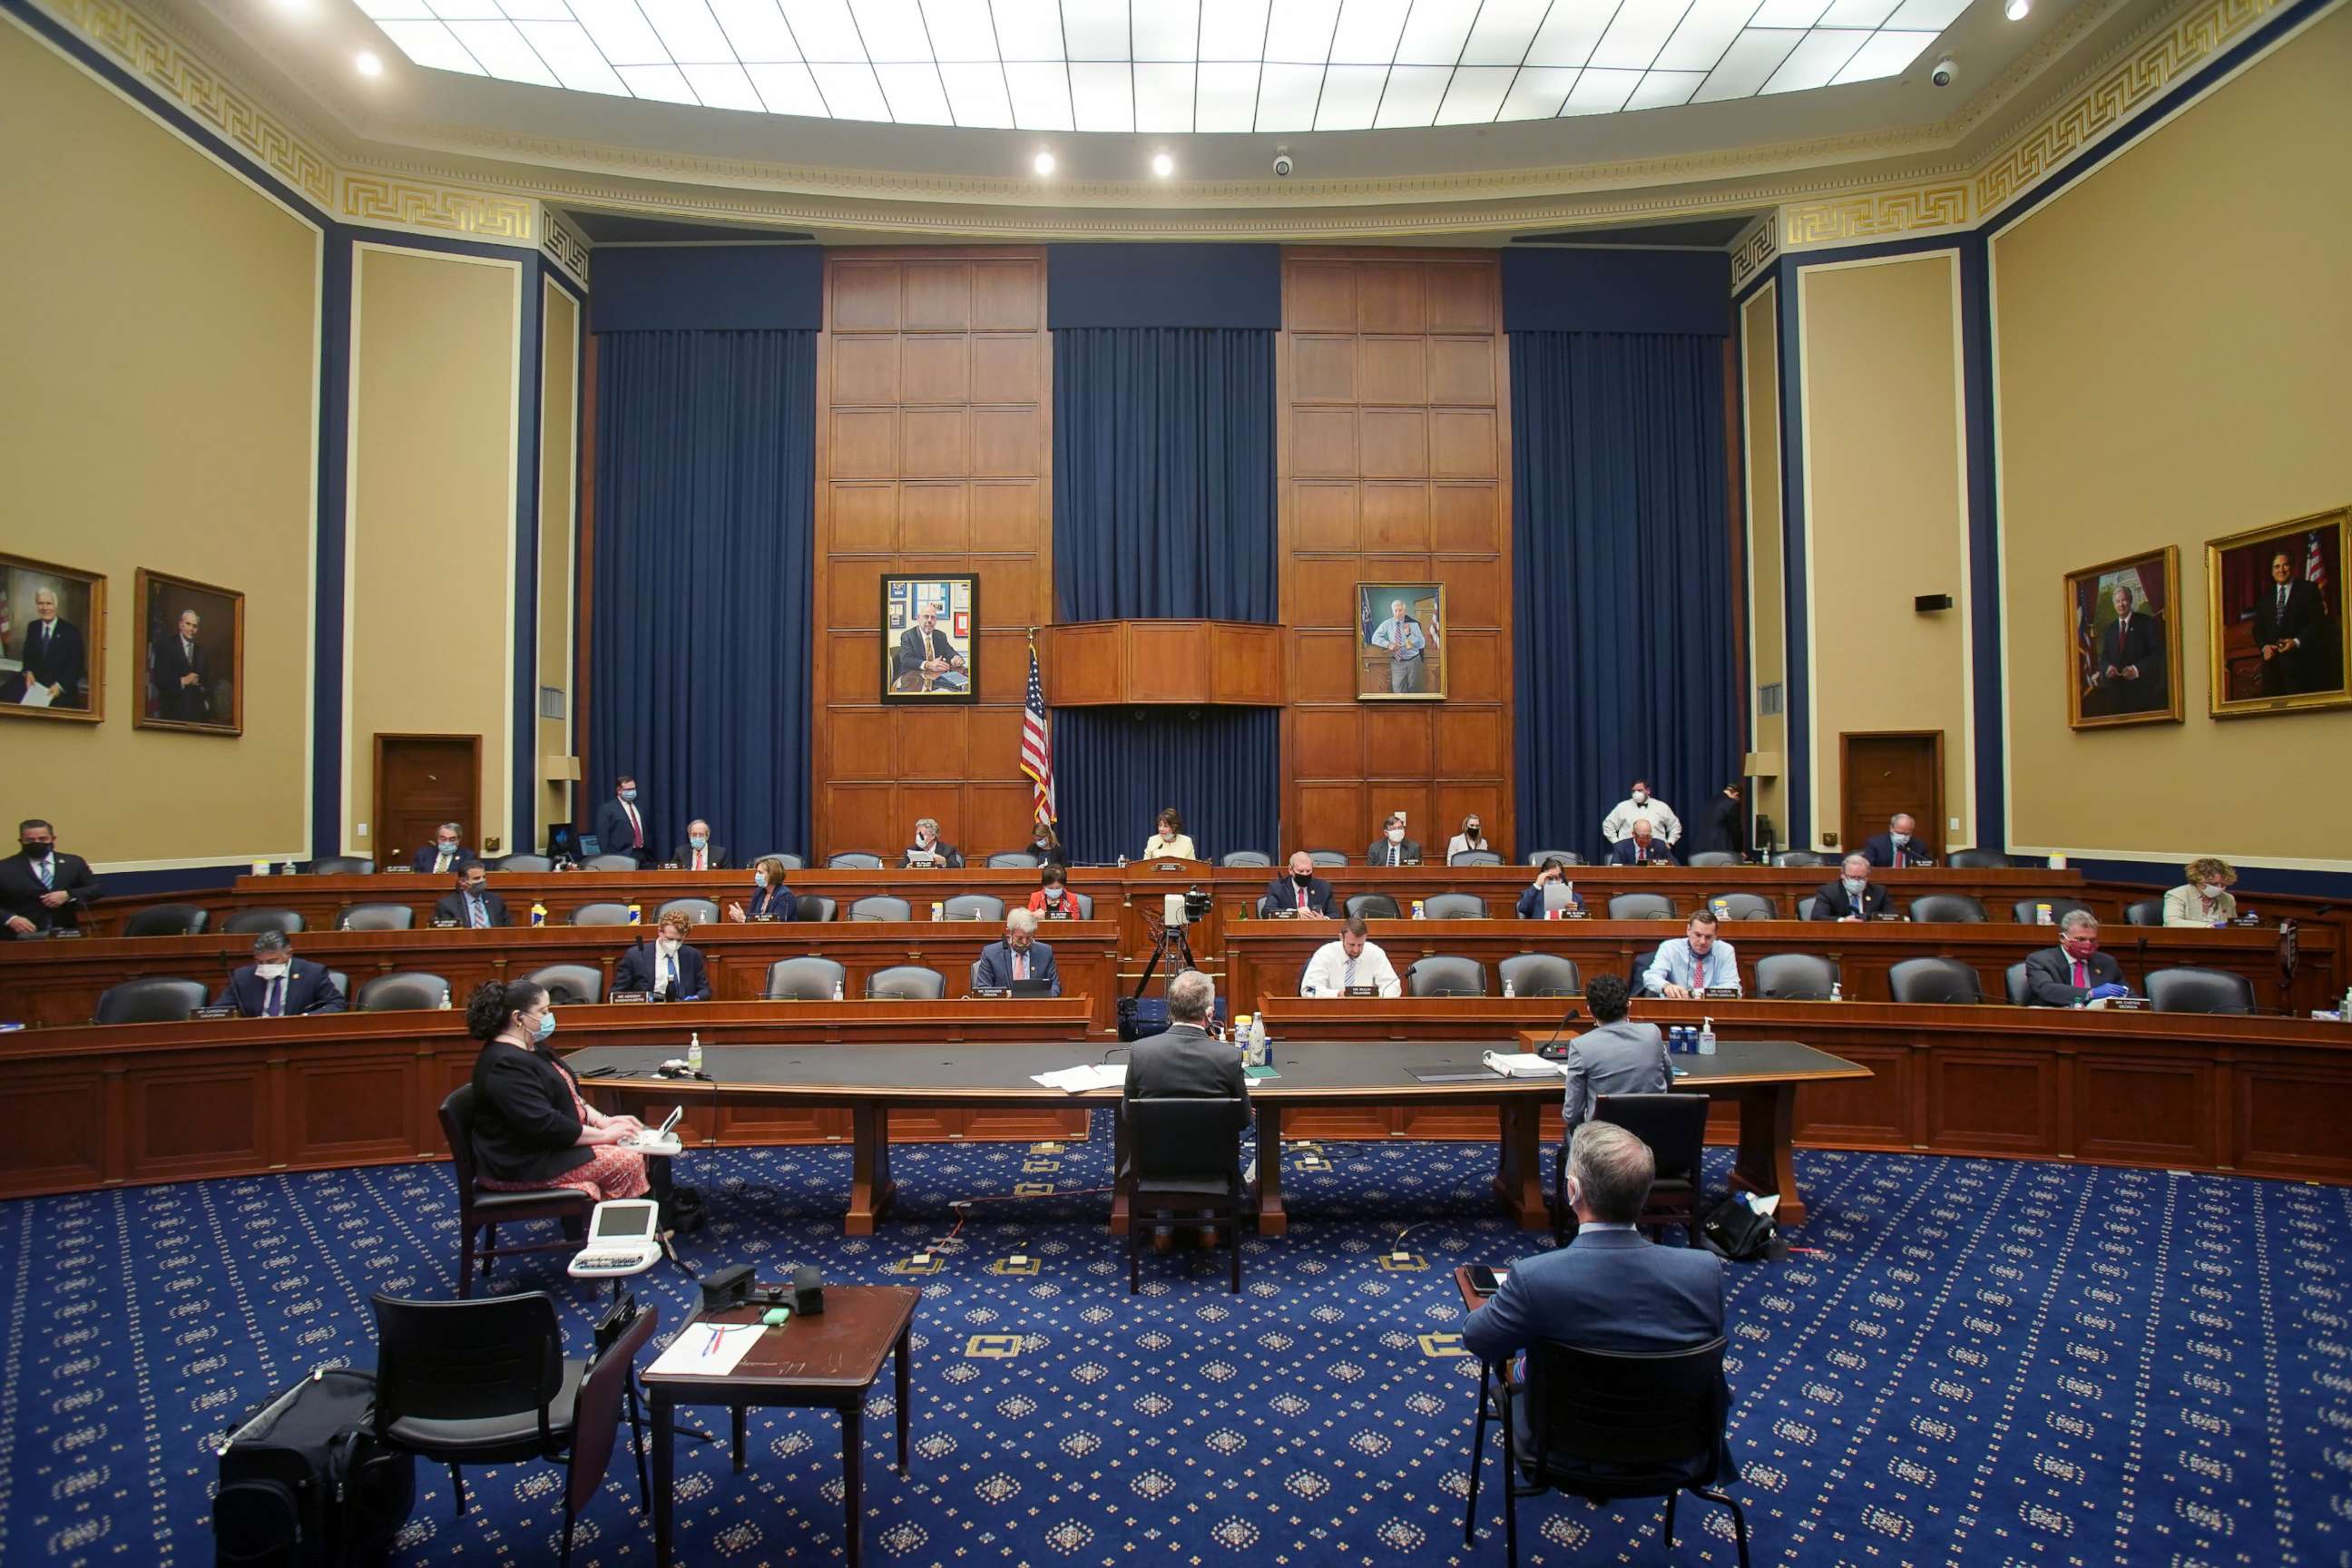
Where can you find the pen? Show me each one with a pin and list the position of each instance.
(716, 1335)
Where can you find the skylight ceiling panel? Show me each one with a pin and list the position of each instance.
(1105, 93)
(1926, 16)
(723, 86)
(1232, 30)
(977, 94)
(432, 44)
(1538, 92)
(1474, 94)
(916, 94)
(1163, 97)
(665, 84)
(1503, 31)
(755, 30)
(1883, 55)
(827, 35)
(1639, 32)
(688, 32)
(1040, 94)
(1351, 95)
(397, 10)
(1413, 95)
(574, 57)
(850, 91)
(1813, 63)
(1434, 34)
(893, 32)
(1225, 98)
(960, 32)
(1569, 32)
(1286, 97)
(1600, 91)
(620, 30)
(1165, 31)
(536, 10)
(1707, 30)
(1094, 30)
(1367, 32)
(504, 52)
(1665, 89)
(1298, 32)
(466, 10)
(788, 89)
(1789, 12)
(1752, 58)
(1858, 13)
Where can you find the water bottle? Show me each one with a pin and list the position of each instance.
(288, 870)
(1258, 1041)
(1706, 1038)
(537, 913)
(1122, 862)
(694, 1052)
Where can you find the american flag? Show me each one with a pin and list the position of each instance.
(1038, 744)
(2315, 565)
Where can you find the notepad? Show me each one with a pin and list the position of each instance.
(1079, 1079)
(712, 1350)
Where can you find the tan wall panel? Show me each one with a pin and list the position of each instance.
(1766, 603)
(2171, 334)
(158, 409)
(429, 616)
(1886, 517)
(559, 465)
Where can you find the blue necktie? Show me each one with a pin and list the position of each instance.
(48, 871)
(669, 967)
(276, 1006)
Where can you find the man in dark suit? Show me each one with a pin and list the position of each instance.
(2131, 658)
(929, 851)
(620, 826)
(1727, 821)
(2075, 971)
(1392, 847)
(2290, 628)
(1641, 848)
(1609, 1290)
(1019, 956)
(1851, 896)
(54, 656)
(1616, 1055)
(276, 985)
(1899, 844)
(697, 853)
(927, 656)
(182, 674)
(447, 855)
(1300, 888)
(666, 968)
(1185, 1061)
(472, 904)
(42, 890)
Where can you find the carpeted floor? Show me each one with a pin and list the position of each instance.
(1983, 1362)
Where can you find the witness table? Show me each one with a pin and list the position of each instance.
(826, 1362)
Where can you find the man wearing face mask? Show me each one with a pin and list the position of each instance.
(929, 849)
(1299, 889)
(697, 853)
(42, 889)
(1052, 900)
(1392, 847)
(447, 853)
(472, 906)
(1851, 896)
(276, 985)
(621, 825)
(1640, 805)
(665, 968)
(1899, 844)
(1641, 848)
(1019, 956)
(2075, 971)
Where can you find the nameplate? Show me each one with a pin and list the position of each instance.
(1362, 991)
(445, 924)
(400, 870)
(1057, 915)
(66, 933)
(1168, 865)
(763, 920)
(991, 991)
(1721, 993)
(1887, 915)
(222, 1010)
(669, 864)
(618, 996)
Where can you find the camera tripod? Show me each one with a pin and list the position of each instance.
(1168, 942)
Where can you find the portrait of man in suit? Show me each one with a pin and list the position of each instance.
(50, 620)
(194, 661)
(930, 640)
(2124, 640)
(1402, 627)
(2278, 616)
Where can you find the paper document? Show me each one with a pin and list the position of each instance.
(36, 695)
(1079, 1079)
(1522, 1064)
(709, 1349)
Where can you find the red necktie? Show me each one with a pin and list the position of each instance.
(1020, 967)
(1302, 901)
(2082, 979)
(637, 828)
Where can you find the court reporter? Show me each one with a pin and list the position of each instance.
(532, 1128)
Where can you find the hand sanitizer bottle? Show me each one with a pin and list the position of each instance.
(1507, 988)
(1707, 1038)
(837, 990)
(694, 1052)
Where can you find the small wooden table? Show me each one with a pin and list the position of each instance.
(826, 1362)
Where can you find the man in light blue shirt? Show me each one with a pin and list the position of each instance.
(1402, 637)
(1698, 963)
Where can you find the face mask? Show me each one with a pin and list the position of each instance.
(2080, 947)
(669, 945)
(1854, 884)
(1640, 796)
(629, 794)
(1396, 835)
(759, 878)
(546, 1024)
(270, 971)
(1471, 831)
(38, 850)
(476, 889)
(700, 841)
(1900, 838)
(1053, 895)
(1302, 877)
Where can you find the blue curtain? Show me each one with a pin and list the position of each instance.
(1115, 768)
(1622, 577)
(699, 625)
(1163, 473)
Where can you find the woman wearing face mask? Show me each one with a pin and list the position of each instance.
(1472, 837)
(665, 968)
(770, 900)
(1046, 845)
(1171, 842)
(1052, 900)
(2205, 899)
(532, 1128)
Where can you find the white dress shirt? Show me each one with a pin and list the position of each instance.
(1618, 825)
(1160, 847)
(1331, 971)
(1677, 965)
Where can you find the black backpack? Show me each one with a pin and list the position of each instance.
(304, 1482)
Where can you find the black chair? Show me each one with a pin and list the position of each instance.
(1565, 856)
(602, 913)
(1640, 907)
(488, 1383)
(343, 865)
(1476, 858)
(1374, 907)
(1013, 859)
(1795, 977)
(792, 861)
(907, 983)
(1743, 907)
(253, 922)
(2144, 913)
(1539, 974)
(481, 1212)
(1949, 908)
(1454, 907)
(1939, 982)
(1245, 857)
(702, 911)
(1811, 908)
(343, 985)
(881, 907)
(2021, 989)
(378, 917)
(855, 861)
(1978, 860)
(2028, 911)
(1326, 858)
(522, 863)
(1712, 858)
(975, 907)
(167, 920)
(1184, 1164)
(609, 863)
(1615, 1424)
(1802, 857)
(151, 1000)
(1444, 975)
(400, 993)
(1675, 1127)
(810, 979)
(811, 907)
(571, 984)
(2191, 989)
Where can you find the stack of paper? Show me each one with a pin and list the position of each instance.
(1521, 1064)
(710, 1349)
(1079, 1079)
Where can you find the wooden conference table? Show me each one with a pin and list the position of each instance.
(1760, 1077)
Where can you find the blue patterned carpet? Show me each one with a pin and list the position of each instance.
(1985, 1363)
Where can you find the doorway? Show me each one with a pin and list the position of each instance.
(422, 782)
(1882, 772)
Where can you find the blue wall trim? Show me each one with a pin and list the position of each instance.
(522, 827)
(1797, 832)
(1164, 285)
(1617, 290)
(332, 545)
(1992, 825)
(722, 287)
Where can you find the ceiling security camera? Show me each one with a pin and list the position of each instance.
(1945, 70)
(1282, 166)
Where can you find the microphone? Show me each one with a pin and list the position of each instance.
(1545, 1050)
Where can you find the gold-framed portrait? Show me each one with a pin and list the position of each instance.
(52, 641)
(2123, 641)
(192, 656)
(1400, 642)
(929, 638)
(2277, 621)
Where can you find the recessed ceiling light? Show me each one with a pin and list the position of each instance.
(1162, 164)
(1043, 163)
(367, 63)
(2016, 9)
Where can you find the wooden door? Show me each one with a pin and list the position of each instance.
(422, 782)
(1881, 773)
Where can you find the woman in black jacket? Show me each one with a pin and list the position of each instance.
(532, 1128)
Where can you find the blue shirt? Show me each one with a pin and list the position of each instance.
(1676, 964)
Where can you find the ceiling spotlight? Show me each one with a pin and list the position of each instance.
(2016, 9)
(1162, 164)
(367, 63)
(1043, 163)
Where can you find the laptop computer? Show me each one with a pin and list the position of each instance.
(662, 1140)
(620, 1240)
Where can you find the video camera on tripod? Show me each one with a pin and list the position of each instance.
(1177, 912)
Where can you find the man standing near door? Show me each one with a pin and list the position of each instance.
(620, 824)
